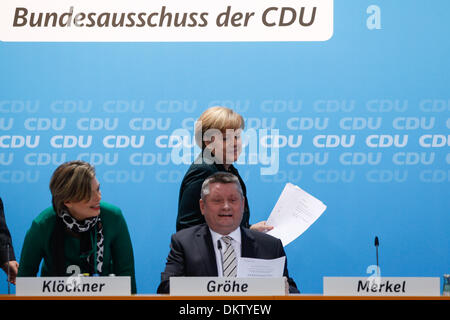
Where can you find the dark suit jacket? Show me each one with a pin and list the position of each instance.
(192, 254)
(189, 213)
(5, 239)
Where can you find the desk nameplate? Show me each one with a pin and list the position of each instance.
(73, 286)
(381, 286)
(220, 286)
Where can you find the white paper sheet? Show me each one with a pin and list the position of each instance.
(295, 211)
(260, 268)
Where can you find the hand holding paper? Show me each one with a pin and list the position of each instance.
(295, 211)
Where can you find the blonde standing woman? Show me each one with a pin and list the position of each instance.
(218, 133)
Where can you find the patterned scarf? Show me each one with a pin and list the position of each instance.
(83, 226)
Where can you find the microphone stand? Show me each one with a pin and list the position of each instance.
(219, 246)
(378, 267)
(377, 243)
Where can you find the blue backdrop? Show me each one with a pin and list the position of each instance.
(365, 118)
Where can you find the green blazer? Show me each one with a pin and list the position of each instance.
(118, 255)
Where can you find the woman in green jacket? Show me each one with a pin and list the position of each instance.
(79, 232)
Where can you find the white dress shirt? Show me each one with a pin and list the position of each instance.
(236, 242)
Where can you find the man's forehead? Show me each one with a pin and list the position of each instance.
(220, 187)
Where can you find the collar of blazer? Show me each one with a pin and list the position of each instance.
(207, 159)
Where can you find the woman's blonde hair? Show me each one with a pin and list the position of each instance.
(217, 118)
(71, 181)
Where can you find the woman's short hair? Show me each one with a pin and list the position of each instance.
(217, 118)
(71, 181)
(220, 177)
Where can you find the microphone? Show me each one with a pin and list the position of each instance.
(377, 243)
(219, 246)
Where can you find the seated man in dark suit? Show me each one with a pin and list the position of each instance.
(199, 251)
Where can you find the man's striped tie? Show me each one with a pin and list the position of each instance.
(229, 258)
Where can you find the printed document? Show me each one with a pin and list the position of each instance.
(295, 211)
(260, 268)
